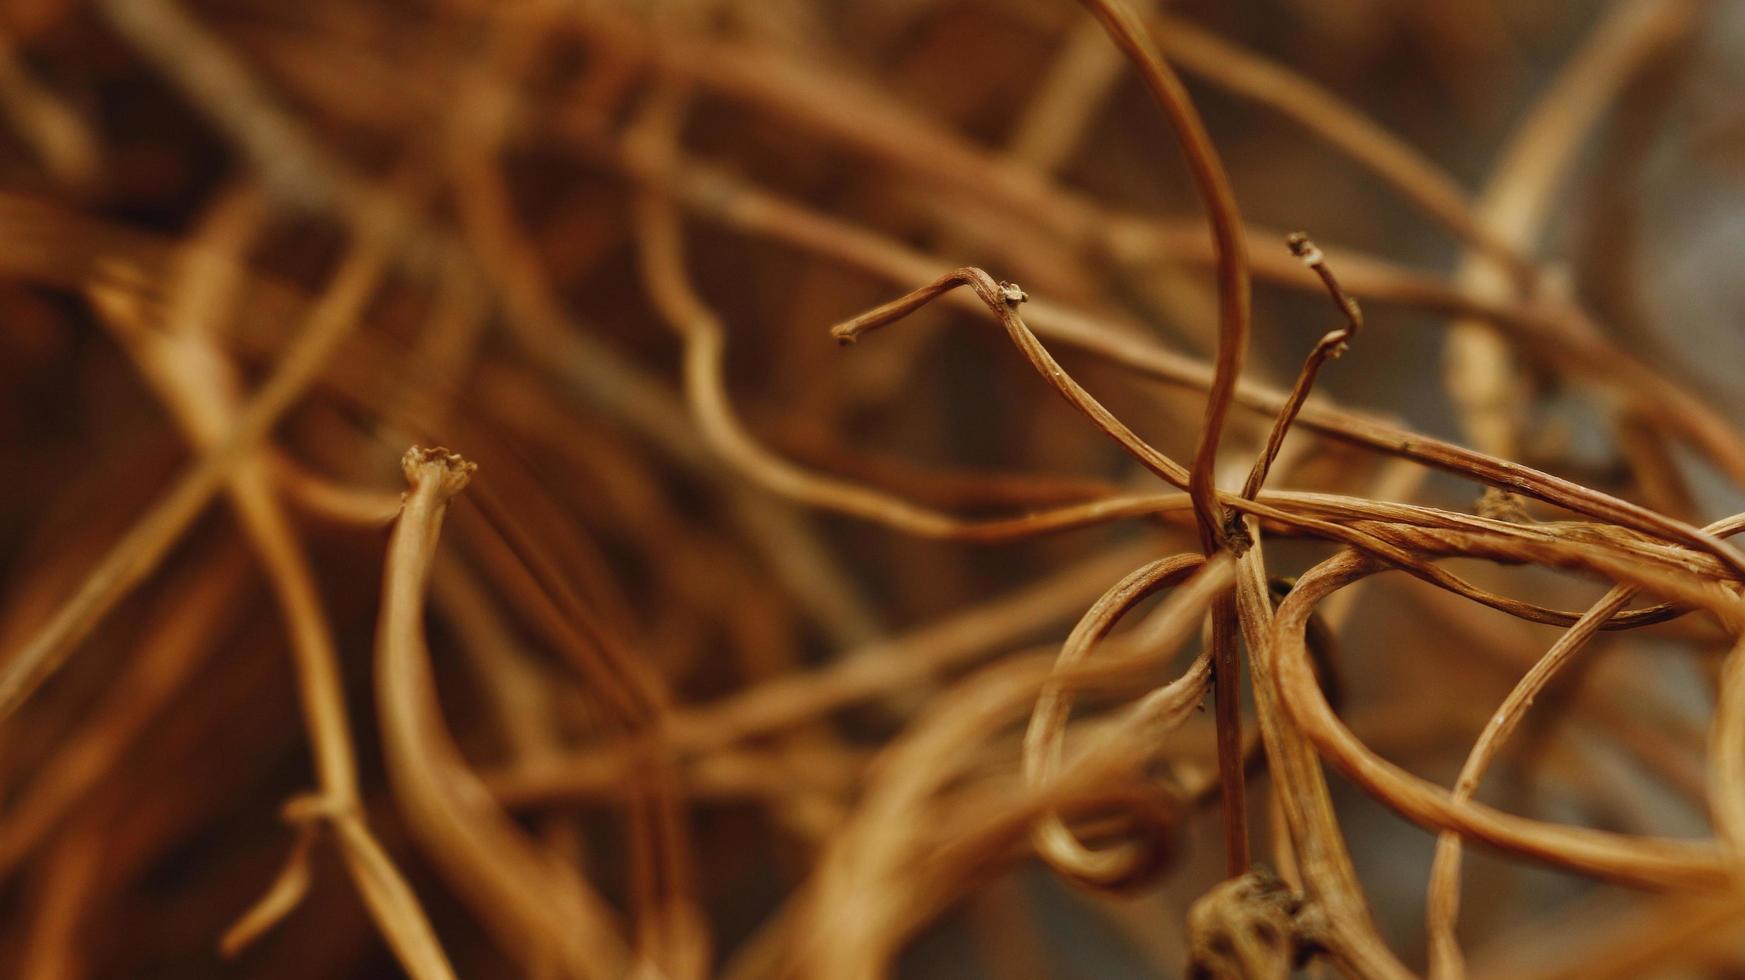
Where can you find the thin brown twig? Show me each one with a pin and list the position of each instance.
(1327, 348)
(526, 900)
(134, 556)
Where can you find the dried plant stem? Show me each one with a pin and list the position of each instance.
(1340, 921)
(136, 554)
(1482, 378)
(1443, 902)
(530, 903)
(861, 674)
(167, 657)
(1229, 242)
(662, 263)
(705, 387)
(1444, 892)
(200, 388)
(717, 194)
(1388, 542)
(1087, 333)
(1079, 78)
(639, 594)
(1342, 126)
(68, 147)
(893, 134)
(1002, 300)
(279, 900)
(538, 322)
(521, 701)
(635, 699)
(1045, 735)
(222, 86)
(1328, 347)
(1640, 861)
(876, 857)
(71, 884)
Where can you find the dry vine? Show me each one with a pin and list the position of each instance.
(667, 724)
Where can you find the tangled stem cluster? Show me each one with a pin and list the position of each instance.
(568, 691)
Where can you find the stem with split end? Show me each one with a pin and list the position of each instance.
(1329, 347)
(531, 904)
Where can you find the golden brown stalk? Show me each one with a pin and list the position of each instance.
(718, 194)
(180, 637)
(508, 262)
(200, 387)
(1100, 338)
(1444, 892)
(1644, 862)
(279, 900)
(1340, 923)
(1487, 386)
(839, 110)
(62, 904)
(1229, 242)
(66, 143)
(1341, 125)
(876, 883)
(1327, 348)
(135, 555)
(530, 903)
(1044, 737)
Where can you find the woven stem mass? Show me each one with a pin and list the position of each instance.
(892, 491)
